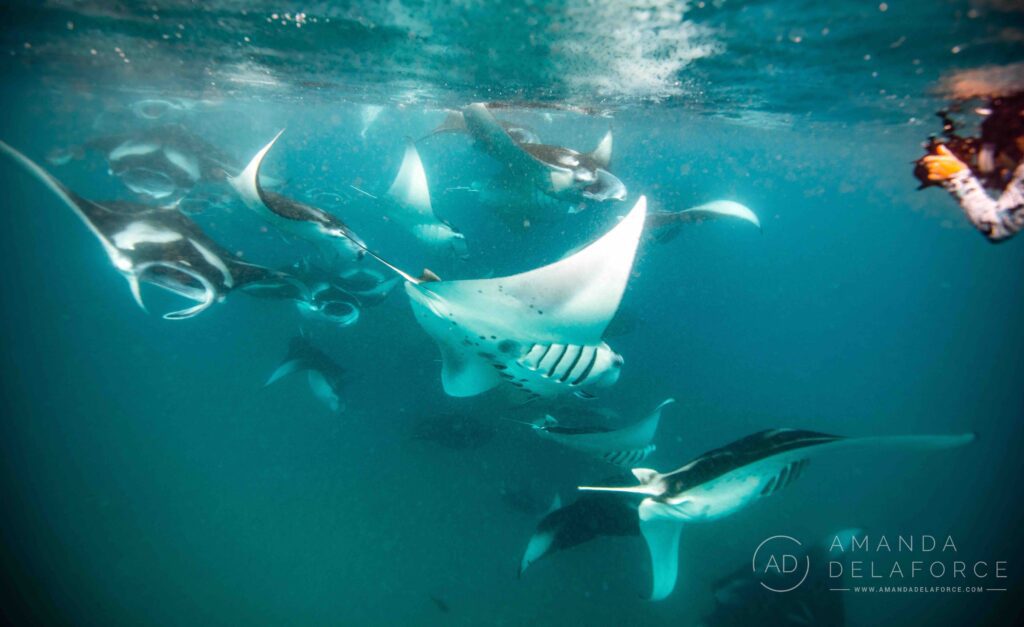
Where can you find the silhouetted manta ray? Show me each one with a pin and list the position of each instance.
(664, 225)
(623, 447)
(726, 480)
(590, 516)
(407, 202)
(324, 375)
(560, 172)
(164, 248)
(291, 215)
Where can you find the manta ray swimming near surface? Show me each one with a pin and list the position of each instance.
(559, 172)
(538, 332)
(455, 122)
(324, 375)
(726, 480)
(291, 215)
(407, 202)
(666, 225)
(623, 447)
(164, 163)
(164, 248)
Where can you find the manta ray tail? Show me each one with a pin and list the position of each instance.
(453, 123)
(918, 442)
(133, 284)
(650, 483)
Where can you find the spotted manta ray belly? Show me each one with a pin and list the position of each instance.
(550, 369)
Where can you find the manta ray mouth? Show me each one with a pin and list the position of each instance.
(179, 280)
(340, 312)
(148, 182)
(606, 187)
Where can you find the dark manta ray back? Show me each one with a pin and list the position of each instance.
(163, 247)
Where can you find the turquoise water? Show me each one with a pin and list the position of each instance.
(148, 477)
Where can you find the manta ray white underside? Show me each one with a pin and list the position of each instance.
(539, 331)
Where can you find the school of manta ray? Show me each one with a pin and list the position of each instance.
(540, 334)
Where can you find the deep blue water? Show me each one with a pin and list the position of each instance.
(147, 477)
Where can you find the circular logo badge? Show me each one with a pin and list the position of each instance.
(781, 563)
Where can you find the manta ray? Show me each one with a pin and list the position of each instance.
(539, 331)
(455, 122)
(329, 302)
(724, 481)
(408, 204)
(324, 375)
(590, 516)
(560, 172)
(291, 215)
(163, 163)
(622, 447)
(367, 284)
(666, 225)
(164, 248)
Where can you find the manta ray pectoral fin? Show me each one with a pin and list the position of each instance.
(247, 184)
(288, 367)
(560, 179)
(640, 434)
(538, 546)
(556, 504)
(602, 155)
(189, 312)
(410, 189)
(69, 198)
(570, 301)
(323, 390)
(464, 373)
(725, 208)
(496, 141)
(453, 123)
(133, 285)
(662, 536)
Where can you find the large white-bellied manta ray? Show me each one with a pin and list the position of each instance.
(165, 248)
(623, 447)
(539, 331)
(724, 481)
